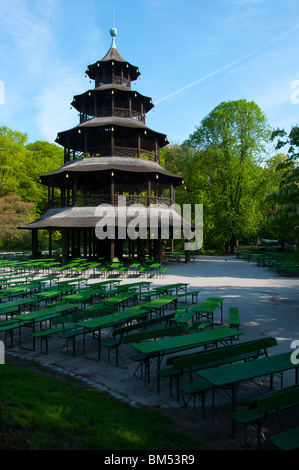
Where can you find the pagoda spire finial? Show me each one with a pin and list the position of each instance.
(113, 32)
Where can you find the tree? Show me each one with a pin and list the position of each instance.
(285, 221)
(12, 158)
(21, 165)
(42, 157)
(222, 161)
(13, 213)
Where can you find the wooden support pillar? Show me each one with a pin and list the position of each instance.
(34, 242)
(85, 242)
(50, 243)
(149, 192)
(52, 194)
(187, 253)
(95, 111)
(75, 191)
(139, 146)
(112, 142)
(90, 242)
(129, 247)
(49, 196)
(159, 246)
(112, 188)
(112, 249)
(64, 233)
(112, 103)
(171, 240)
(172, 194)
(85, 144)
(149, 245)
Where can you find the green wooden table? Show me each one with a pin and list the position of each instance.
(83, 296)
(21, 289)
(232, 375)
(119, 299)
(79, 280)
(110, 320)
(205, 309)
(15, 280)
(15, 306)
(139, 284)
(111, 283)
(170, 287)
(30, 319)
(154, 267)
(160, 303)
(50, 293)
(159, 348)
(134, 267)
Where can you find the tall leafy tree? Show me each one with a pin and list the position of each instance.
(285, 221)
(42, 157)
(223, 167)
(22, 196)
(13, 213)
(13, 155)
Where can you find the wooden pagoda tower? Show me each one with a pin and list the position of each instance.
(110, 153)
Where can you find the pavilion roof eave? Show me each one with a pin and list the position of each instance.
(88, 217)
(111, 86)
(125, 164)
(112, 55)
(112, 121)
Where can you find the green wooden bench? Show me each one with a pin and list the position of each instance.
(68, 323)
(141, 357)
(143, 324)
(268, 404)
(162, 272)
(146, 333)
(156, 333)
(180, 310)
(143, 271)
(8, 329)
(70, 336)
(149, 294)
(224, 355)
(234, 318)
(15, 306)
(193, 293)
(205, 309)
(286, 440)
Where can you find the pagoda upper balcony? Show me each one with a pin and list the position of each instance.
(72, 200)
(114, 80)
(117, 112)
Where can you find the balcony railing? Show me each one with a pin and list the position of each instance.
(117, 112)
(97, 199)
(118, 80)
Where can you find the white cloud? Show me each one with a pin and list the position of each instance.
(53, 105)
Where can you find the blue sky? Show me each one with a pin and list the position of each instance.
(192, 55)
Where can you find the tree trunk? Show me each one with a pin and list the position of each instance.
(232, 244)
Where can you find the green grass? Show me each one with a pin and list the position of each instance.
(45, 413)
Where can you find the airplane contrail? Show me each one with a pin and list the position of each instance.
(231, 64)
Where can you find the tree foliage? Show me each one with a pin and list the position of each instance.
(21, 165)
(43, 157)
(13, 156)
(221, 167)
(285, 222)
(13, 213)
